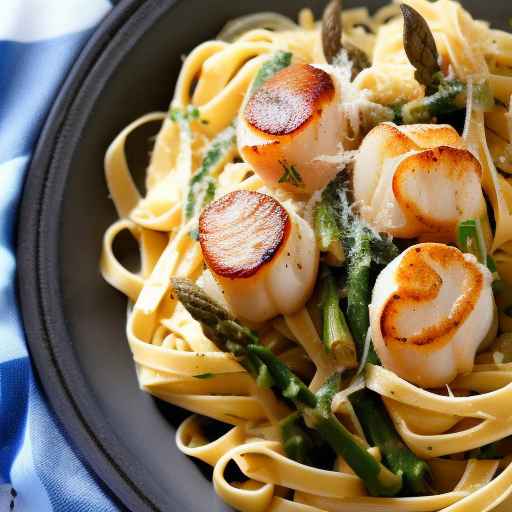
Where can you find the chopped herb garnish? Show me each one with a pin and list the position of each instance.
(193, 112)
(204, 376)
(202, 185)
(269, 68)
(291, 175)
(176, 115)
(210, 191)
(188, 114)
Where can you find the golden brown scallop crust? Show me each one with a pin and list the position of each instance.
(453, 162)
(427, 136)
(389, 141)
(289, 100)
(241, 232)
(419, 282)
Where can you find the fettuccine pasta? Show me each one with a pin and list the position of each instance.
(220, 151)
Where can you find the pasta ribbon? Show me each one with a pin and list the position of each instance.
(176, 360)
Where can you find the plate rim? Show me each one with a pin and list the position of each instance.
(35, 288)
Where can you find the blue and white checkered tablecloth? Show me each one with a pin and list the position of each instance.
(39, 469)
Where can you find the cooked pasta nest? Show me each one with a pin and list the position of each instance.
(178, 363)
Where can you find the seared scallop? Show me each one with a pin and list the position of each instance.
(417, 180)
(431, 309)
(290, 121)
(262, 258)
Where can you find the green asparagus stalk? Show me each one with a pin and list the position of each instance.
(443, 96)
(336, 335)
(326, 227)
(332, 31)
(286, 381)
(380, 431)
(470, 239)
(332, 44)
(358, 288)
(244, 343)
(369, 408)
(349, 447)
(363, 248)
(297, 444)
(420, 47)
(450, 97)
(316, 410)
(327, 233)
(229, 334)
(326, 393)
(235, 338)
(376, 424)
(277, 62)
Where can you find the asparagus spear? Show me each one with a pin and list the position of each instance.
(368, 407)
(229, 334)
(327, 233)
(420, 47)
(277, 62)
(449, 97)
(297, 443)
(379, 429)
(316, 410)
(336, 335)
(332, 40)
(363, 247)
(443, 96)
(233, 337)
(470, 239)
(358, 288)
(331, 31)
(326, 227)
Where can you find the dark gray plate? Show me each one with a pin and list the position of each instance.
(73, 320)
